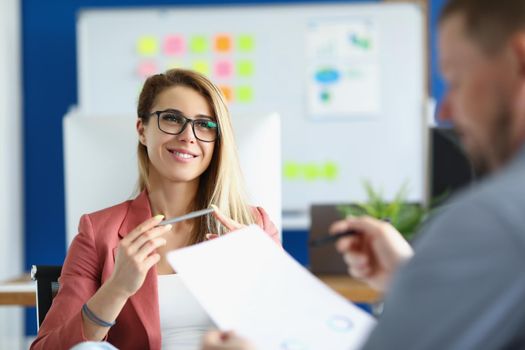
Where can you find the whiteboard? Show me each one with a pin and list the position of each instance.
(100, 163)
(347, 79)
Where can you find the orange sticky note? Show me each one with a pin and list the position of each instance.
(223, 43)
(227, 91)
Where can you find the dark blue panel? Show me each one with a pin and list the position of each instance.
(30, 320)
(437, 83)
(295, 242)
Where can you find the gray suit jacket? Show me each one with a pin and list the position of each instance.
(465, 286)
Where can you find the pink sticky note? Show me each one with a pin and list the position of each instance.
(174, 45)
(146, 69)
(224, 69)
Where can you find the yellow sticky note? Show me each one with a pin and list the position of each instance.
(245, 68)
(199, 44)
(291, 171)
(245, 94)
(148, 46)
(246, 43)
(331, 171)
(201, 66)
(311, 171)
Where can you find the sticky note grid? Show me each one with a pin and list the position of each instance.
(227, 59)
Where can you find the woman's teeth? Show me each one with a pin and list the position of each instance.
(183, 155)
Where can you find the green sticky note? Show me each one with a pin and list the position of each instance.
(148, 46)
(199, 44)
(311, 172)
(244, 94)
(291, 171)
(331, 171)
(246, 43)
(201, 66)
(245, 68)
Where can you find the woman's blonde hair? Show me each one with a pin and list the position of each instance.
(221, 183)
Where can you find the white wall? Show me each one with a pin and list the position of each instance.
(11, 326)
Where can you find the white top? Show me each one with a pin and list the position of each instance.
(183, 321)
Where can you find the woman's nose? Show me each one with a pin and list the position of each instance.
(187, 134)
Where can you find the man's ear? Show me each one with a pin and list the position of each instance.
(518, 46)
(140, 131)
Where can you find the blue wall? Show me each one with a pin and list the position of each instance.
(49, 88)
(437, 86)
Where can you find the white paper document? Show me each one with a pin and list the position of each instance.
(250, 285)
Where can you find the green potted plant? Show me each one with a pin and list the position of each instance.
(404, 216)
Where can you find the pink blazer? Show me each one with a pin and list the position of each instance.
(90, 262)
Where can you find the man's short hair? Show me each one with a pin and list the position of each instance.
(489, 22)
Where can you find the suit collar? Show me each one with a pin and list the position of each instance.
(139, 211)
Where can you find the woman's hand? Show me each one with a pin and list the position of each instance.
(374, 254)
(136, 255)
(217, 340)
(227, 222)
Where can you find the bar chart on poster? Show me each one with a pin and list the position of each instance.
(346, 79)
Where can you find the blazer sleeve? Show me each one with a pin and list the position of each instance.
(79, 280)
(263, 220)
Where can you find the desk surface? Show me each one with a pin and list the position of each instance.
(351, 289)
(21, 291)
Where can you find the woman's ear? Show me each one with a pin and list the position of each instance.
(140, 131)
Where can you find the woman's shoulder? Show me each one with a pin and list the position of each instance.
(110, 212)
(112, 216)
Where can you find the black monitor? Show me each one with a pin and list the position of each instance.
(450, 169)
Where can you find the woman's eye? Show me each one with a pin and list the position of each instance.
(205, 124)
(173, 118)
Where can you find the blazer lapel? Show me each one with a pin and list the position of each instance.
(145, 301)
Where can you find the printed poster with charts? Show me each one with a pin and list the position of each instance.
(247, 283)
(343, 75)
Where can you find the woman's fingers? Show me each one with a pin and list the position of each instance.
(210, 236)
(229, 223)
(151, 260)
(145, 226)
(147, 236)
(148, 247)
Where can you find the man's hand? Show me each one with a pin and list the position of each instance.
(375, 253)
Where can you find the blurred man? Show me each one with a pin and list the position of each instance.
(464, 287)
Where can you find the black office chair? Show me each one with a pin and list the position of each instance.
(46, 277)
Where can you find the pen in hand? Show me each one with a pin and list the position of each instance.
(191, 215)
(320, 241)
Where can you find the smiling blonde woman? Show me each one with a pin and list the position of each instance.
(116, 284)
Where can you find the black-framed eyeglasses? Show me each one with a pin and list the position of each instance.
(173, 122)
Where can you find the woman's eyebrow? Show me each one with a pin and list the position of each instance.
(204, 116)
(173, 110)
(198, 116)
